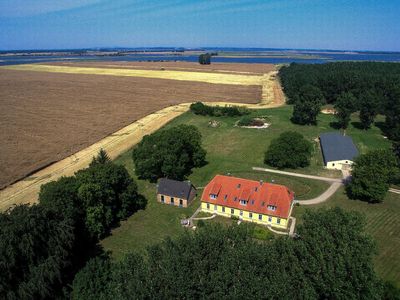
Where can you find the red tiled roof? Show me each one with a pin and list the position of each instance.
(230, 190)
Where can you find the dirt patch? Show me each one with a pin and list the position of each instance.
(46, 117)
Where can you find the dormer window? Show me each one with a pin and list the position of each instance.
(225, 197)
(256, 189)
(239, 185)
(252, 202)
(243, 202)
(213, 196)
(271, 207)
(263, 203)
(235, 199)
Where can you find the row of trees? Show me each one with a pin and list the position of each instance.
(368, 87)
(199, 108)
(217, 262)
(43, 246)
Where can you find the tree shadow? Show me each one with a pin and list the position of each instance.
(358, 125)
(335, 125)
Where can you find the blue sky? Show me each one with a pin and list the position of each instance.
(317, 24)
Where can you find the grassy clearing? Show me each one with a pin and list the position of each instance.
(217, 78)
(382, 223)
(236, 150)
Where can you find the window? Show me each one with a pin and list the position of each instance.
(251, 215)
(252, 202)
(333, 165)
(215, 207)
(225, 197)
(180, 202)
(208, 205)
(232, 211)
(213, 197)
(241, 212)
(223, 209)
(347, 161)
(256, 189)
(162, 198)
(239, 185)
(260, 217)
(172, 200)
(235, 199)
(278, 221)
(243, 202)
(269, 219)
(271, 207)
(263, 204)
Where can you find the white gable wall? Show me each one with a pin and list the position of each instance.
(339, 164)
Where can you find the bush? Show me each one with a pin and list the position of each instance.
(245, 121)
(200, 223)
(200, 108)
(289, 150)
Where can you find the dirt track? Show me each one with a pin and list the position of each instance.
(26, 190)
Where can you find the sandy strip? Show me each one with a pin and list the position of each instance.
(216, 78)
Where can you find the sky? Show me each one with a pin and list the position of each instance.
(295, 24)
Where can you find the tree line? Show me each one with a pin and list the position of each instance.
(44, 245)
(218, 262)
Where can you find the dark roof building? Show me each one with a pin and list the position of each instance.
(337, 147)
(169, 190)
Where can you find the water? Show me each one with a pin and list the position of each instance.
(289, 56)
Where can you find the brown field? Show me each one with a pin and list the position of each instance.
(48, 116)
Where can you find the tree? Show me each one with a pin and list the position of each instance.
(392, 122)
(101, 158)
(289, 150)
(92, 281)
(35, 247)
(372, 174)
(169, 153)
(307, 105)
(330, 259)
(205, 59)
(345, 105)
(345, 271)
(96, 198)
(369, 106)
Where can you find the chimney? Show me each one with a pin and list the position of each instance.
(261, 182)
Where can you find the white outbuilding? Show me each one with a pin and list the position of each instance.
(338, 150)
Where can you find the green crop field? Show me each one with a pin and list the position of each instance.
(236, 150)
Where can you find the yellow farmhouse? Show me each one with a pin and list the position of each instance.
(249, 200)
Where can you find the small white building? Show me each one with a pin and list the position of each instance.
(338, 150)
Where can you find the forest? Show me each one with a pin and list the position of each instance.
(217, 262)
(371, 88)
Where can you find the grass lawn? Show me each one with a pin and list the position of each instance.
(236, 150)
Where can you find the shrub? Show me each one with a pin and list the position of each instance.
(200, 108)
(245, 121)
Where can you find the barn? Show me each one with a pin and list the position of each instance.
(338, 151)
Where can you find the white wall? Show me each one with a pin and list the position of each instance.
(338, 164)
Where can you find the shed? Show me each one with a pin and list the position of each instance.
(338, 151)
(174, 192)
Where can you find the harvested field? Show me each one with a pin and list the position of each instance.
(254, 69)
(48, 116)
(215, 78)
